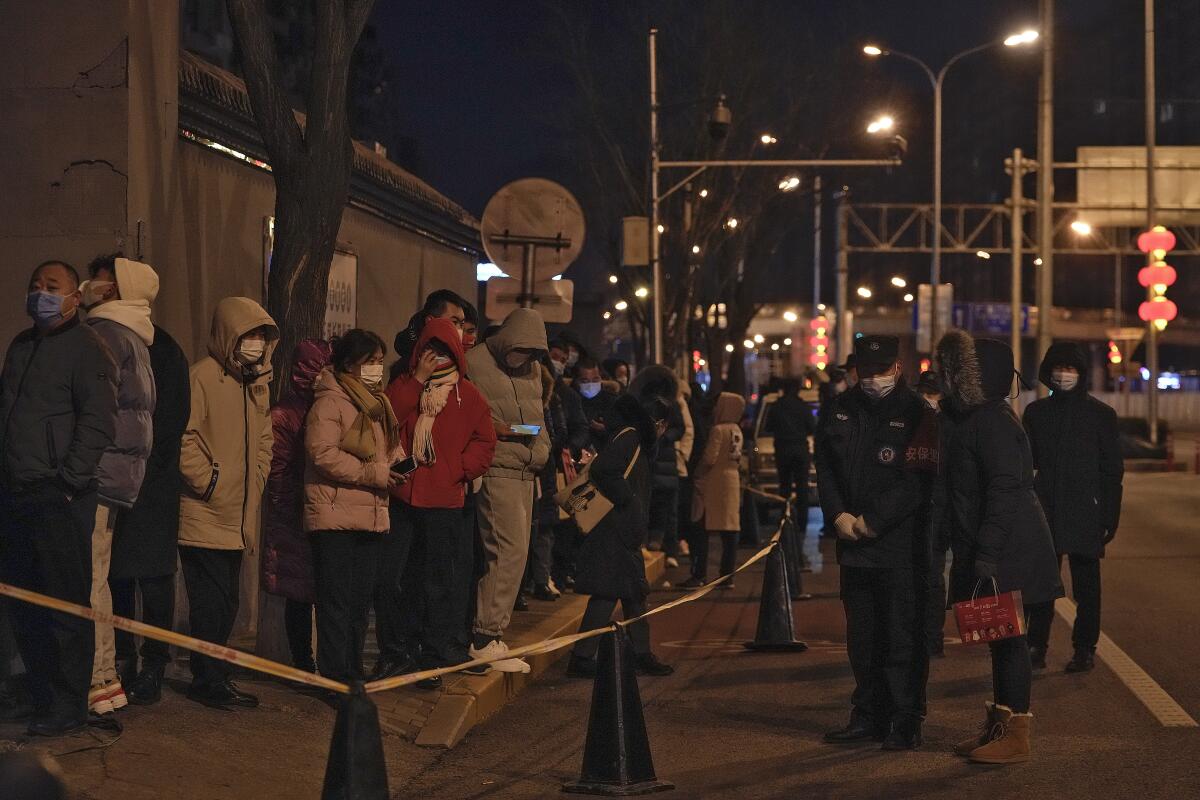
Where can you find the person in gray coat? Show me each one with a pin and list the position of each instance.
(58, 400)
(117, 299)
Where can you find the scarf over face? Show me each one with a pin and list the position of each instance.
(443, 337)
(359, 439)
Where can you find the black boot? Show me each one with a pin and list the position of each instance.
(1037, 657)
(905, 735)
(648, 664)
(1084, 660)
(146, 688)
(127, 670)
(521, 603)
(860, 729)
(390, 667)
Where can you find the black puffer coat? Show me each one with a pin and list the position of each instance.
(984, 490)
(1077, 455)
(610, 561)
(658, 381)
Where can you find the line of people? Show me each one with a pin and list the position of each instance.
(906, 475)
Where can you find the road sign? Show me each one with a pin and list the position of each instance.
(990, 318)
(533, 208)
(635, 241)
(551, 299)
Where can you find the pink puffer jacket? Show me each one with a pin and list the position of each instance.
(341, 491)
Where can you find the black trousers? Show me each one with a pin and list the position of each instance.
(935, 608)
(885, 640)
(46, 547)
(664, 515)
(791, 462)
(698, 544)
(298, 624)
(1085, 589)
(598, 614)
(443, 585)
(1012, 675)
(396, 630)
(566, 545)
(158, 609)
(346, 563)
(212, 578)
(541, 549)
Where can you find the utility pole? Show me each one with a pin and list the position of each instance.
(816, 311)
(1151, 214)
(1018, 231)
(1045, 194)
(843, 325)
(655, 262)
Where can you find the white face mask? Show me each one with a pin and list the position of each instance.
(371, 375)
(878, 386)
(1064, 380)
(557, 367)
(250, 351)
(572, 358)
(589, 390)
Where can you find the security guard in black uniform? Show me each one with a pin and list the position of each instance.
(876, 458)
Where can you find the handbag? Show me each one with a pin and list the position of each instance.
(583, 501)
(989, 619)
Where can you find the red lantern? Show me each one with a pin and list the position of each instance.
(819, 341)
(1158, 273)
(1157, 239)
(1156, 309)
(818, 322)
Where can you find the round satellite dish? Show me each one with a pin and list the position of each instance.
(533, 208)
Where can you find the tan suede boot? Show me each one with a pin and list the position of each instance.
(981, 737)
(1011, 744)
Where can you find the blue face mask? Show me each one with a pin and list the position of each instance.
(45, 308)
(589, 390)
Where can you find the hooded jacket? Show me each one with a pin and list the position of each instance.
(463, 436)
(659, 381)
(343, 492)
(226, 451)
(984, 493)
(287, 560)
(718, 485)
(125, 327)
(514, 396)
(1077, 456)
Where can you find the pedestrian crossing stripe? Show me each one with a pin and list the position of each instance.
(1144, 688)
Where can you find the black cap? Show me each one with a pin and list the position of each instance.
(874, 354)
(851, 363)
(929, 383)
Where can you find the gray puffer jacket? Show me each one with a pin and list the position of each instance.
(125, 327)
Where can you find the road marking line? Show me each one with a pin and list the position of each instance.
(1145, 688)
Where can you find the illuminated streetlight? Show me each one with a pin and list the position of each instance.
(1081, 227)
(1037, 262)
(789, 183)
(608, 315)
(704, 192)
(612, 278)
(620, 305)
(731, 223)
(728, 348)
(864, 293)
(774, 345)
(695, 249)
(767, 138)
(984, 254)
(820, 306)
(1024, 37)
(899, 282)
(642, 292)
(873, 50)
(746, 343)
(790, 315)
(787, 342)
(881, 124)
(702, 363)
(662, 228)
(758, 338)
(908, 298)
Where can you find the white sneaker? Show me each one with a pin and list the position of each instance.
(117, 695)
(498, 648)
(100, 699)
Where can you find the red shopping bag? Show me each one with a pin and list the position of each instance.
(990, 618)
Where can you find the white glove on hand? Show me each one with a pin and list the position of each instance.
(863, 530)
(845, 524)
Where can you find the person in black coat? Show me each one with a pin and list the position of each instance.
(610, 564)
(1077, 455)
(790, 424)
(874, 478)
(658, 381)
(984, 496)
(145, 536)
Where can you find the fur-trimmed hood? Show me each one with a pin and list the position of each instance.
(629, 412)
(655, 381)
(974, 371)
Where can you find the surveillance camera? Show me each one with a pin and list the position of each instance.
(719, 120)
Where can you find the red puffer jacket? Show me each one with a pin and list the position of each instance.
(287, 561)
(463, 437)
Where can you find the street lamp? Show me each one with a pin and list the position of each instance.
(936, 81)
(899, 282)
(612, 278)
(642, 292)
(731, 223)
(790, 316)
(864, 293)
(767, 138)
(881, 124)
(1082, 227)
(790, 183)
(621, 305)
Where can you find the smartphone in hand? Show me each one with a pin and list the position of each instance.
(525, 430)
(405, 465)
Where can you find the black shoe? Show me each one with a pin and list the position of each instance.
(580, 667)
(691, 583)
(391, 667)
(56, 726)
(648, 664)
(211, 696)
(146, 689)
(544, 592)
(521, 603)
(727, 585)
(1037, 657)
(238, 697)
(1084, 661)
(859, 729)
(127, 671)
(429, 684)
(905, 735)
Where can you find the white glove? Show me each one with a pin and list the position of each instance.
(863, 530)
(845, 524)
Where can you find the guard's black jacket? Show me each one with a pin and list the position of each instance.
(876, 459)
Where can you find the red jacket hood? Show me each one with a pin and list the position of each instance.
(442, 330)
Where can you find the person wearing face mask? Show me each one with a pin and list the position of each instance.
(351, 442)
(598, 399)
(58, 405)
(875, 481)
(439, 304)
(224, 459)
(504, 369)
(117, 299)
(1077, 455)
(618, 370)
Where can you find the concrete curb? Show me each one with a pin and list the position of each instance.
(468, 700)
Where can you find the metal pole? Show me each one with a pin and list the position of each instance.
(655, 263)
(1117, 265)
(527, 276)
(1045, 194)
(1018, 228)
(816, 246)
(1151, 213)
(935, 268)
(843, 275)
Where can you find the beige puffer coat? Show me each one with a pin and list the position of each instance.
(342, 492)
(226, 450)
(718, 495)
